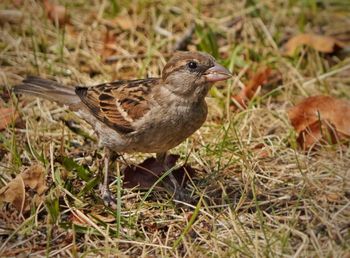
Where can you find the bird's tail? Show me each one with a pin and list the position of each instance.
(47, 89)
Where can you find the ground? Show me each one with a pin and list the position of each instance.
(255, 192)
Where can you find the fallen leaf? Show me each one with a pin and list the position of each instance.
(144, 175)
(257, 80)
(319, 132)
(325, 44)
(7, 116)
(311, 109)
(15, 191)
(34, 178)
(320, 118)
(56, 13)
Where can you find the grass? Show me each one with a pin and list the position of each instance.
(268, 201)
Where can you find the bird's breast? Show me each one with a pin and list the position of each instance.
(168, 126)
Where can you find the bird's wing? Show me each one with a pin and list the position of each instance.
(118, 104)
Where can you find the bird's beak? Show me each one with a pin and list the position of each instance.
(217, 73)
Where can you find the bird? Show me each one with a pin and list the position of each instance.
(151, 115)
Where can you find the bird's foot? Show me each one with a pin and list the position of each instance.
(178, 192)
(108, 197)
(182, 195)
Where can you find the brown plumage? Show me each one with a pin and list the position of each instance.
(147, 115)
(47, 89)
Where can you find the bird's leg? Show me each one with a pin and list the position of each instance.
(173, 185)
(106, 194)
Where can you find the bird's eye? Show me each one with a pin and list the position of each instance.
(192, 65)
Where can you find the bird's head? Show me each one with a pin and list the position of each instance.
(191, 74)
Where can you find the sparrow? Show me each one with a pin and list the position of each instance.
(151, 115)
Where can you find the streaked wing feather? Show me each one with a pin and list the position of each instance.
(118, 104)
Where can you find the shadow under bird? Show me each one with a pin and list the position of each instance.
(150, 115)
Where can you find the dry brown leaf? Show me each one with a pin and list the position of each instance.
(321, 132)
(320, 43)
(56, 13)
(337, 111)
(14, 192)
(320, 117)
(259, 79)
(144, 175)
(34, 177)
(7, 115)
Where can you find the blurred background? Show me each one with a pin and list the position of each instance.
(263, 190)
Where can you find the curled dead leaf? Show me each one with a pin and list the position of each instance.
(34, 178)
(325, 44)
(144, 175)
(320, 118)
(15, 191)
(7, 115)
(319, 132)
(259, 79)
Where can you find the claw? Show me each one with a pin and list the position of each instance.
(178, 192)
(106, 194)
(170, 183)
(107, 197)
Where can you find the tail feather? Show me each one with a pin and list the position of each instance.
(47, 89)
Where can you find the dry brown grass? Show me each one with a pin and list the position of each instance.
(274, 200)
